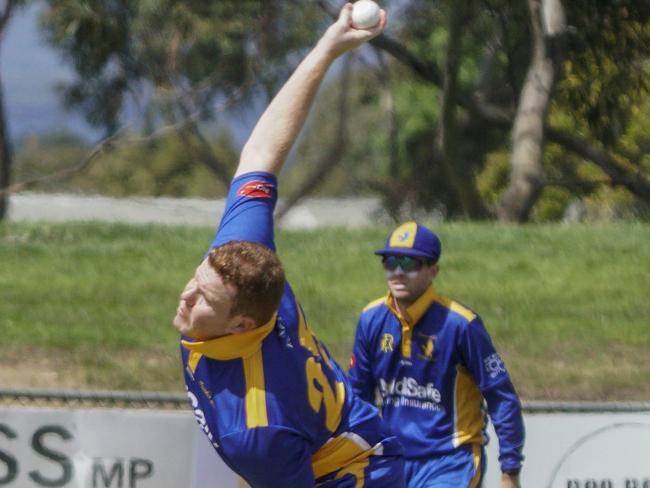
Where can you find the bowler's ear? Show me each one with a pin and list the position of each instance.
(243, 324)
(435, 268)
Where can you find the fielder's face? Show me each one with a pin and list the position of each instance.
(407, 286)
(203, 312)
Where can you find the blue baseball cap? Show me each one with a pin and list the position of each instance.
(412, 239)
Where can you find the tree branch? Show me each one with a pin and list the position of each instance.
(188, 125)
(633, 180)
(202, 149)
(502, 118)
(6, 14)
(101, 147)
(428, 71)
(333, 156)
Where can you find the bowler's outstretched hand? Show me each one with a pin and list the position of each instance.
(277, 129)
(342, 36)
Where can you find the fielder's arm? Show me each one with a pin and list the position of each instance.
(510, 480)
(279, 126)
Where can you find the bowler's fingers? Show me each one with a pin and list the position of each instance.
(345, 15)
(361, 35)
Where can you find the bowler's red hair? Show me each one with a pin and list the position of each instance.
(257, 275)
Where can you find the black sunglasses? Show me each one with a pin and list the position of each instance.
(406, 263)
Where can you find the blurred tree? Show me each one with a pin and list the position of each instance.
(38, 158)
(458, 103)
(548, 29)
(606, 82)
(137, 166)
(176, 60)
(608, 46)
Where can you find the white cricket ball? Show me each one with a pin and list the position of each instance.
(365, 14)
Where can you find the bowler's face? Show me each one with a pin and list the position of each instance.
(204, 309)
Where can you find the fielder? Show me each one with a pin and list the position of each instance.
(432, 364)
(275, 406)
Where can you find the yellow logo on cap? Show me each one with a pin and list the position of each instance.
(404, 235)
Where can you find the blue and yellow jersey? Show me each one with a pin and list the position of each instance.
(429, 370)
(273, 403)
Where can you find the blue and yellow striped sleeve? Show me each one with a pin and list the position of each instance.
(361, 377)
(504, 408)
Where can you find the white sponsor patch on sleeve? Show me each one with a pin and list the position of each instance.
(494, 365)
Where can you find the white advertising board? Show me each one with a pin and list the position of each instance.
(157, 449)
(106, 449)
(581, 450)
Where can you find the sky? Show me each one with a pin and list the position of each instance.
(30, 71)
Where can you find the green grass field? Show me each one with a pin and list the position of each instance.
(90, 305)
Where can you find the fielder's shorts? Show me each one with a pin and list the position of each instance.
(462, 468)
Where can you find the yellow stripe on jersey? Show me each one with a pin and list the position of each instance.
(404, 322)
(456, 307)
(411, 316)
(375, 303)
(468, 416)
(357, 470)
(256, 415)
(346, 450)
(307, 339)
(324, 396)
(193, 360)
(476, 455)
(421, 305)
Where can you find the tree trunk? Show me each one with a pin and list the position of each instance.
(500, 117)
(456, 169)
(196, 143)
(393, 193)
(190, 135)
(6, 159)
(332, 156)
(527, 174)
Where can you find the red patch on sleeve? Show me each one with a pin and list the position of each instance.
(256, 189)
(353, 361)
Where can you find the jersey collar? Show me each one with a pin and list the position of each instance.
(415, 312)
(410, 316)
(232, 346)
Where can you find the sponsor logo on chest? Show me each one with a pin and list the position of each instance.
(407, 392)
